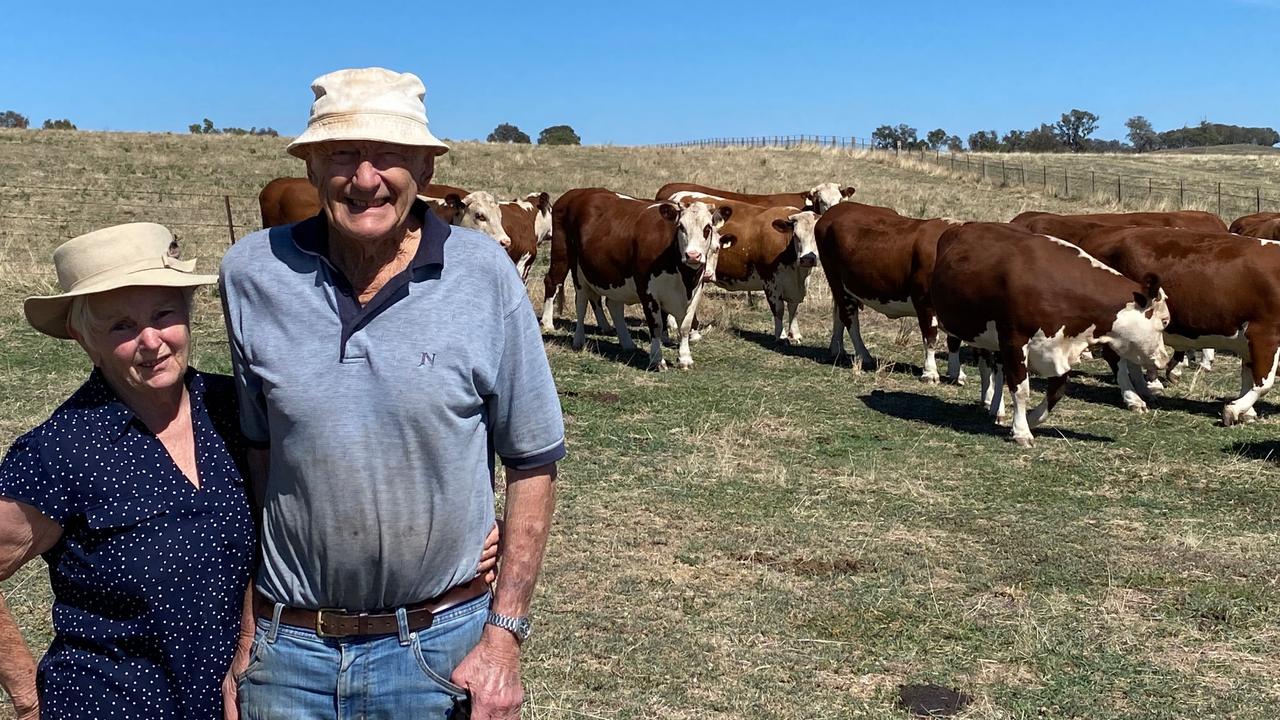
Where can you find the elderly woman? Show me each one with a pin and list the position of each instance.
(133, 492)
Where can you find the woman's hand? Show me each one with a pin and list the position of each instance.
(488, 567)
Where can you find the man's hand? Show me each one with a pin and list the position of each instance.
(491, 673)
(230, 692)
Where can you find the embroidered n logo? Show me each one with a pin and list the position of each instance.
(428, 359)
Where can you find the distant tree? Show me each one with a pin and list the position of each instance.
(508, 133)
(1014, 141)
(51, 124)
(1107, 146)
(559, 135)
(936, 138)
(955, 144)
(1075, 127)
(11, 119)
(885, 137)
(984, 141)
(266, 131)
(902, 136)
(1141, 133)
(203, 128)
(1042, 139)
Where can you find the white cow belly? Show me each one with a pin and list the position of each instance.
(893, 309)
(1053, 356)
(1232, 343)
(626, 294)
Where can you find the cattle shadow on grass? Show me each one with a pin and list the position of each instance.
(970, 418)
(1265, 450)
(607, 348)
(809, 350)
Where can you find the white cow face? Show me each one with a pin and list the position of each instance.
(803, 239)
(542, 223)
(697, 231)
(480, 211)
(1138, 332)
(825, 196)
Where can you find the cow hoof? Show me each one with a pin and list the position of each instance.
(658, 366)
(930, 378)
(577, 345)
(1207, 367)
(548, 328)
(1086, 356)
(796, 339)
(960, 380)
(1023, 442)
(1155, 385)
(1000, 419)
(695, 336)
(1139, 408)
(684, 364)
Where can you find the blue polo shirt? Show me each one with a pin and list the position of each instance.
(383, 420)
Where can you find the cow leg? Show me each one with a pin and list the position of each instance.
(863, 359)
(793, 323)
(1113, 360)
(838, 323)
(776, 306)
(1264, 356)
(1152, 378)
(992, 385)
(553, 300)
(955, 371)
(1013, 357)
(929, 333)
(1131, 382)
(669, 328)
(602, 322)
(522, 267)
(1177, 362)
(695, 333)
(685, 328)
(692, 315)
(580, 327)
(653, 320)
(1206, 359)
(1053, 394)
(616, 308)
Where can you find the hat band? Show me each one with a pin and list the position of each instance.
(153, 263)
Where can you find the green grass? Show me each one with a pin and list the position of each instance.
(771, 535)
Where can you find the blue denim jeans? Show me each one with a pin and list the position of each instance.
(295, 675)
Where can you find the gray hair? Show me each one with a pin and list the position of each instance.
(83, 319)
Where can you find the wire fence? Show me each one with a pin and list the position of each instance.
(1227, 199)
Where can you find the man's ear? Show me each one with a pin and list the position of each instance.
(428, 170)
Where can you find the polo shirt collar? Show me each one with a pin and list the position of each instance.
(311, 236)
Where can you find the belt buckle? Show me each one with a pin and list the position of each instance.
(320, 620)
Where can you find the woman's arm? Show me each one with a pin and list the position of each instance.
(24, 534)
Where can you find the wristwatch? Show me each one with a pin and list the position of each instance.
(520, 627)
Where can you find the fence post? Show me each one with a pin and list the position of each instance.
(1259, 191)
(231, 228)
(1219, 199)
(984, 168)
(1118, 179)
(1044, 179)
(1093, 182)
(1182, 194)
(1066, 184)
(1148, 189)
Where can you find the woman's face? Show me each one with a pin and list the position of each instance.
(141, 338)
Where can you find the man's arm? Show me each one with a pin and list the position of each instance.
(259, 460)
(491, 672)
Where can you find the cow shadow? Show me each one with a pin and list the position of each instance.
(607, 348)
(970, 418)
(821, 355)
(1265, 450)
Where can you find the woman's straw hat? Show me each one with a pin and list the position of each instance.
(107, 259)
(372, 104)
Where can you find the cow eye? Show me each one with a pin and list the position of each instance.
(480, 217)
(706, 232)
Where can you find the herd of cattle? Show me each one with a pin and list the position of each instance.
(1036, 294)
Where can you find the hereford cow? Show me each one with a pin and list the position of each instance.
(479, 210)
(1224, 293)
(1265, 225)
(1185, 219)
(630, 251)
(875, 257)
(818, 199)
(287, 200)
(1038, 302)
(769, 249)
(527, 224)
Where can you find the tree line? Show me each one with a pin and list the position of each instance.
(11, 119)
(1072, 133)
(554, 135)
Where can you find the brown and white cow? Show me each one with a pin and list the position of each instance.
(527, 223)
(630, 251)
(1038, 302)
(1185, 219)
(875, 257)
(288, 200)
(1264, 225)
(1224, 293)
(479, 210)
(770, 249)
(819, 199)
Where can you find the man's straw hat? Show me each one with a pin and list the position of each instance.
(368, 104)
(119, 256)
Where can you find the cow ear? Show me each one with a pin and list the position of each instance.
(454, 200)
(848, 192)
(727, 240)
(1151, 286)
(668, 211)
(784, 225)
(722, 216)
(807, 195)
(544, 202)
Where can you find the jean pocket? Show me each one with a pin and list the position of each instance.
(438, 674)
(255, 656)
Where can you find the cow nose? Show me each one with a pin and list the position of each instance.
(505, 242)
(693, 256)
(808, 260)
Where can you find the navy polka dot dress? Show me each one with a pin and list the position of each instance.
(149, 575)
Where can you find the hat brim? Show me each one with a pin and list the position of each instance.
(48, 313)
(371, 127)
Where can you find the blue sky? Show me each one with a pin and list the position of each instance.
(632, 74)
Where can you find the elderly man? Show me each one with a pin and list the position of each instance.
(383, 358)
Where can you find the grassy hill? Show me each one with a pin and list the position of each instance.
(770, 534)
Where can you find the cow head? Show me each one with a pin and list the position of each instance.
(803, 240)
(1137, 334)
(541, 202)
(697, 230)
(479, 211)
(823, 197)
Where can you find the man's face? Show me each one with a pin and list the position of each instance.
(368, 188)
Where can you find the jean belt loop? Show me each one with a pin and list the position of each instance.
(402, 622)
(275, 623)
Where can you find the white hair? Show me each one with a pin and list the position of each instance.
(84, 320)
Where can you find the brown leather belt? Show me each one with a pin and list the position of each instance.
(336, 622)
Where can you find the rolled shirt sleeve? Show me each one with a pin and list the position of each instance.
(526, 422)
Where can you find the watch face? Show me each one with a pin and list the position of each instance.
(523, 628)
